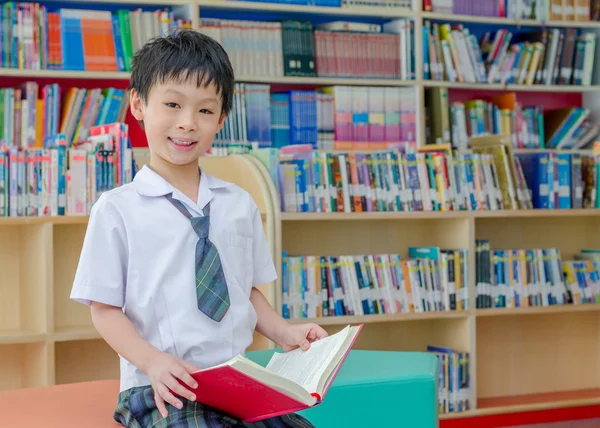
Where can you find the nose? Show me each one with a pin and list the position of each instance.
(187, 121)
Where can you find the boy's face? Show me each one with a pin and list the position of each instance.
(180, 120)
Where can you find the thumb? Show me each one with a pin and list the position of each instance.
(304, 344)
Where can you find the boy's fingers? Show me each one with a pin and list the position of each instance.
(180, 389)
(160, 404)
(170, 398)
(185, 377)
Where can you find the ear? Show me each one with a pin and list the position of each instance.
(136, 105)
(221, 122)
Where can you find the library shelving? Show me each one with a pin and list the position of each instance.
(47, 339)
(193, 13)
(520, 359)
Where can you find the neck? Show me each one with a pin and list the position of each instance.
(185, 178)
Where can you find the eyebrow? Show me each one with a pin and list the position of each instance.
(207, 99)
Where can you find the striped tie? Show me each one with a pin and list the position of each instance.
(211, 287)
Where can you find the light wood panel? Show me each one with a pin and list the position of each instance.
(520, 355)
(67, 243)
(568, 234)
(24, 278)
(414, 335)
(24, 366)
(85, 360)
(330, 237)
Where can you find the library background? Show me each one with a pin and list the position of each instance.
(427, 168)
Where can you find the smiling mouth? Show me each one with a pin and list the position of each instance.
(182, 141)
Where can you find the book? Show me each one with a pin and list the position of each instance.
(290, 382)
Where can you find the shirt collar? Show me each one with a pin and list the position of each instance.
(148, 183)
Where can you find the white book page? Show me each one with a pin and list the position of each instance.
(306, 368)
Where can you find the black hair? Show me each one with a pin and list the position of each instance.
(185, 54)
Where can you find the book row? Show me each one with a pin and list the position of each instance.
(454, 379)
(394, 181)
(329, 49)
(429, 280)
(31, 113)
(548, 56)
(336, 117)
(535, 277)
(516, 278)
(404, 4)
(40, 36)
(60, 180)
(544, 10)
(561, 180)
(529, 127)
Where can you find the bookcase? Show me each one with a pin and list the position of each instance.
(47, 339)
(520, 358)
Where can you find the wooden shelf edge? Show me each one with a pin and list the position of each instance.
(509, 87)
(543, 401)
(355, 216)
(18, 221)
(365, 11)
(20, 337)
(288, 80)
(408, 215)
(77, 333)
(457, 415)
(508, 21)
(368, 319)
(537, 310)
(439, 215)
(479, 313)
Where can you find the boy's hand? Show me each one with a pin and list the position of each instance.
(164, 370)
(301, 335)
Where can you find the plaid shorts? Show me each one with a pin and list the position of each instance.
(136, 409)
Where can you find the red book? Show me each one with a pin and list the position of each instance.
(290, 382)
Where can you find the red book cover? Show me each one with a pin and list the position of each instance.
(236, 392)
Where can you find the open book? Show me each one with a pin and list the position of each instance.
(290, 382)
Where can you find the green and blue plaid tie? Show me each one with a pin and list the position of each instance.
(211, 287)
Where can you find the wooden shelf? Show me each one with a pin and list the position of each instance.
(24, 365)
(358, 11)
(543, 401)
(325, 81)
(508, 87)
(45, 337)
(16, 337)
(74, 333)
(352, 216)
(507, 21)
(367, 319)
(556, 309)
(273, 80)
(438, 215)
(20, 221)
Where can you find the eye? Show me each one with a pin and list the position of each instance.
(172, 105)
(205, 111)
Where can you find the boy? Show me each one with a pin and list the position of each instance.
(169, 292)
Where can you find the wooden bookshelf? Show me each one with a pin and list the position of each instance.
(46, 338)
(543, 345)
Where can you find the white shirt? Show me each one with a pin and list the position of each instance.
(138, 254)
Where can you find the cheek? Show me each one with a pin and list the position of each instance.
(210, 126)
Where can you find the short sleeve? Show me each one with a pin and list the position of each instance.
(263, 266)
(102, 268)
